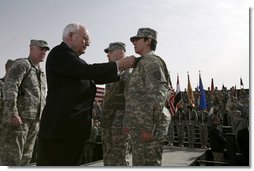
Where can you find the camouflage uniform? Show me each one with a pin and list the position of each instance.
(237, 121)
(24, 96)
(171, 130)
(180, 125)
(115, 143)
(145, 97)
(191, 122)
(244, 100)
(89, 149)
(88, 154)
(1, 102)
(96, 111)
(1, 108)
(203, 118)
(215, 112)
(7, 68)
(235, 116)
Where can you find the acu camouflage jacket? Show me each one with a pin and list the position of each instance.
(24, 90)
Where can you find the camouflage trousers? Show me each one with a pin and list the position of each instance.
(181, 133)
(17, 144)
(203, 132)
(171, 132)
(115, 147)
(145, 153)
(191, 134)
(1, 129)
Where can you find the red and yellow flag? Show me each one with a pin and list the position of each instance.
(190, 94)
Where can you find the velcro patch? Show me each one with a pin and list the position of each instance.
(157, 75)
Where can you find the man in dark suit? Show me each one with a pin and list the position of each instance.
(66, 118)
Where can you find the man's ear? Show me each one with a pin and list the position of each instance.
(148, 41)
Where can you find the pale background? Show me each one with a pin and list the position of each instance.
(211, 36)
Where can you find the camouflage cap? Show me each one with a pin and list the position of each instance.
(114, 46)
(39, 43)
(9, 62)
(145, 32)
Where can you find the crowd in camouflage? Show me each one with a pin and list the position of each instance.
(135, 102)
(231, 107)
(220, 106)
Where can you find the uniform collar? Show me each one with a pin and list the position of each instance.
(149, 53)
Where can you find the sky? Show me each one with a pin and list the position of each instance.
(206, 36)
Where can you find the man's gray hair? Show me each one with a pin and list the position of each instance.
(73, 27)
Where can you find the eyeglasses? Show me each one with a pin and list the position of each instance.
(84, 37)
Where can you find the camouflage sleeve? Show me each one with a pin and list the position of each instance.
(156, 91)
(114, 97)
(11, 86)
(1, 99)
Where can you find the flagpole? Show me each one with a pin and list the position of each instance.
(187, 95)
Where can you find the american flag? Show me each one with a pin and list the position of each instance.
(171, 101)
(178, 97)
(100, 91)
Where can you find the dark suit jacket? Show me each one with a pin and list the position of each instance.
(71, 91)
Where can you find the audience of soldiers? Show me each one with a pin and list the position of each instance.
(204, 129)
(225, 109)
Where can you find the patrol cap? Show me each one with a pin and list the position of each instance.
(145, 32)
(39, 43)
(9, 62)
(115, 46)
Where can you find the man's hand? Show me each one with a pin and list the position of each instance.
(125, 63)
(15, 121)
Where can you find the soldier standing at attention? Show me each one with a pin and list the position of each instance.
(146, 119)
(191, 122)
(7, 69)
(24, 94)
(203, 118)
(115, 144)
(180, 123)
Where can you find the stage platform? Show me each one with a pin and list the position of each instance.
(172, 156)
